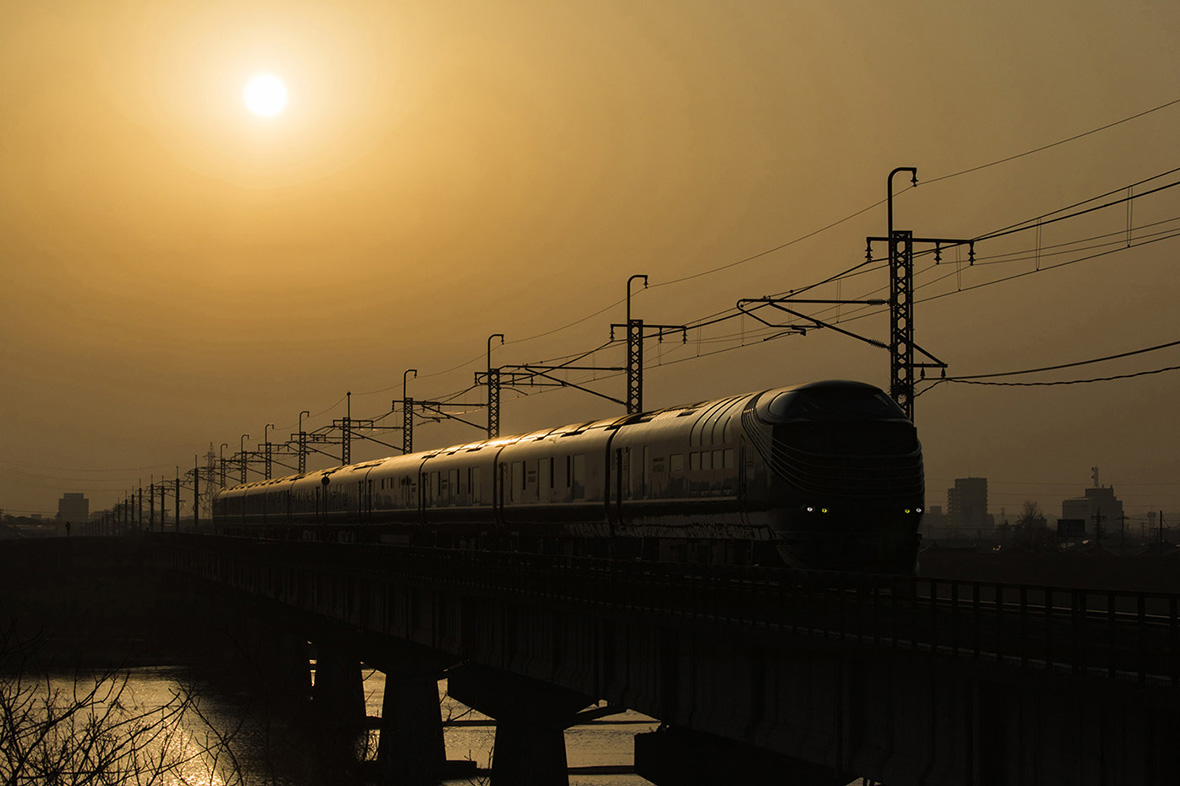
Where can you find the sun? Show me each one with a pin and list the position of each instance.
(265, 95)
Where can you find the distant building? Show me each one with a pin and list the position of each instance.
(1100, 510)
(73, 507)
(966, 503)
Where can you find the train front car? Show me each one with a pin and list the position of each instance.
(845, 486)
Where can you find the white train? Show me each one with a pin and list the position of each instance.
(827, 476)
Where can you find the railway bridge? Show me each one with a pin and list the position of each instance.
(752, 672)
(756, 676)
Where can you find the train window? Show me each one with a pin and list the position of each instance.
(569, 473)
(706, 459)
(530, 474)
(476, 486)
(453, 476)
(545, 473)
(435, 485)
(728, 458)
(579, 476)
(694, 460)
(717, 460)
(517, 480)
(676, 462)
(658, 465)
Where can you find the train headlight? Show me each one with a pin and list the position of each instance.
(823, 510)
(810, 509)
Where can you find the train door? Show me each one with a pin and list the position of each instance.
(743, 507)
(622, 484)
(367, 505)
(423, 492)
(499, 482)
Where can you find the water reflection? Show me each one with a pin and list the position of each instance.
(207, 734)
(213, 735)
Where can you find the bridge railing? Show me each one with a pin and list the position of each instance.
(1117, 635)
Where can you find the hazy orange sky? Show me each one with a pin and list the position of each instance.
(178, 272)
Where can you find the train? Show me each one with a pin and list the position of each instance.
(823, 476)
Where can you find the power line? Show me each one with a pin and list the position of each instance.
(1065, 365)
(1026, 226)
(1058, 143)
(1043, 269)
(856, 270)
(17, 466)
(1062, 382)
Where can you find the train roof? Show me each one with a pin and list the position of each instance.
(772, 406)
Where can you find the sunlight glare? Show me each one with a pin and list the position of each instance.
(266, 95)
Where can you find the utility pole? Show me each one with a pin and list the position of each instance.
(266, 448)
(242, 454)
(901, 344)
(901, 301)
(178, 499)
(530, 374)
(634, 354)
(346, 433)
(151, 502)
(221, 453)
(635, 335)
(302, 443)
(408, 414)
(196, 492)
(493, 382)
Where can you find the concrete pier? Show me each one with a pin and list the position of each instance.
(411, 750)
(531, 719)
(338, 696)
(678, 757)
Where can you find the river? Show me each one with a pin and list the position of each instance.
(225, 737)
(275, 749)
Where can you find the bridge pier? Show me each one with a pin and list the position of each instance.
(338, 695)
(411, 749)
(268, 659)
(283, 662)
(531, 719)
(673, 756)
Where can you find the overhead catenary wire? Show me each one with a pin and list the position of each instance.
(859, 268)
(750, 338)
(1112, 378)
(1120, 355)
(1058, 143)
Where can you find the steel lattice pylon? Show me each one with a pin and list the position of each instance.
(901, 320)
(634, 366)
(493, 403)
(407, 426)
